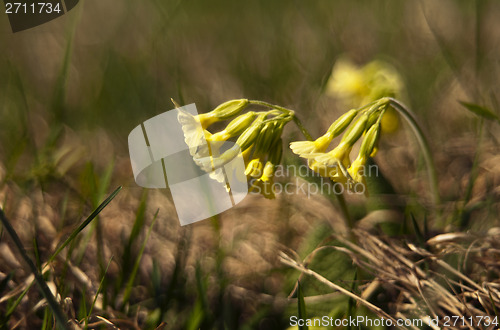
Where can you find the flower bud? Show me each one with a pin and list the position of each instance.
(248, 137)
(276, 152)
(373, 117)
(254, 168)
(268, 172)
(342, 122)
(370, 141)
(355, 131)
(240, 123)
(229, 109)
(265, 138)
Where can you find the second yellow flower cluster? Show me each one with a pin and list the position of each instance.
(336, 164)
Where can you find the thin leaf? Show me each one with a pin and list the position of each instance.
(301, 306)
(416, 228)
(480, 111)
(133, 274)
(85, 223)
(51, 300)
(97, 293)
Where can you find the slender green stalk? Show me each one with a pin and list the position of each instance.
(424, 145)
(135, 268)
(288, 112)
(304, 131)
(85, 223)
(272, 106)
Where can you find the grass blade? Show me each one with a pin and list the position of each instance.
(51, 300)
(85, 223)
(133, 274)
(97, 293)
(480, 111)
(301, 306)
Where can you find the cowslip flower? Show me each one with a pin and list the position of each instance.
(194, 126)
(244, 141)
(254, 168)
(360, 85)
(368, 149)
(310, 149)
(335, 162)
(265, 184)
(194, 132)
(347, 81)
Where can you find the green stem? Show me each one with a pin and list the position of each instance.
(424, 145)
(304, 131)
(287, 111)
(270, 105)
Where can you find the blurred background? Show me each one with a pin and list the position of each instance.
(72, 89)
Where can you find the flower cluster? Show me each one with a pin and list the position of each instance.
(257, 135)
(336, 164)
(356, 86)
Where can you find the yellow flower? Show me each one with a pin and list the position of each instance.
(390, 121)
(357, 169)
(334, 172)
(308, 149)
(192, 128)
(334, 163)
(361, 85)
(338, 155)
(211, 163)
(254, 168)
(347, 81)
(265, 184)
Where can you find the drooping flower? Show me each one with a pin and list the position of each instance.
(211, 163)
(195, 134)
(254, 168)
(367, 149)
(334, 163)
(308, 149)
(265, 184)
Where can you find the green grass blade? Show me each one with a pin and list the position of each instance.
(136, 230)
(85, 223)
(51, 300)
(480, 111)
(16, 303)
(97, 293)
(301, 306)
(416, 229)
(133, 274)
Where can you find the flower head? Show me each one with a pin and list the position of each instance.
(193, 129)
(211, 163)
(357, 169)
(308, 149)
(254, 168)
(334, 163)
(265, 184)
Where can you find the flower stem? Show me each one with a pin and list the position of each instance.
(287, 111)
(424, 145)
